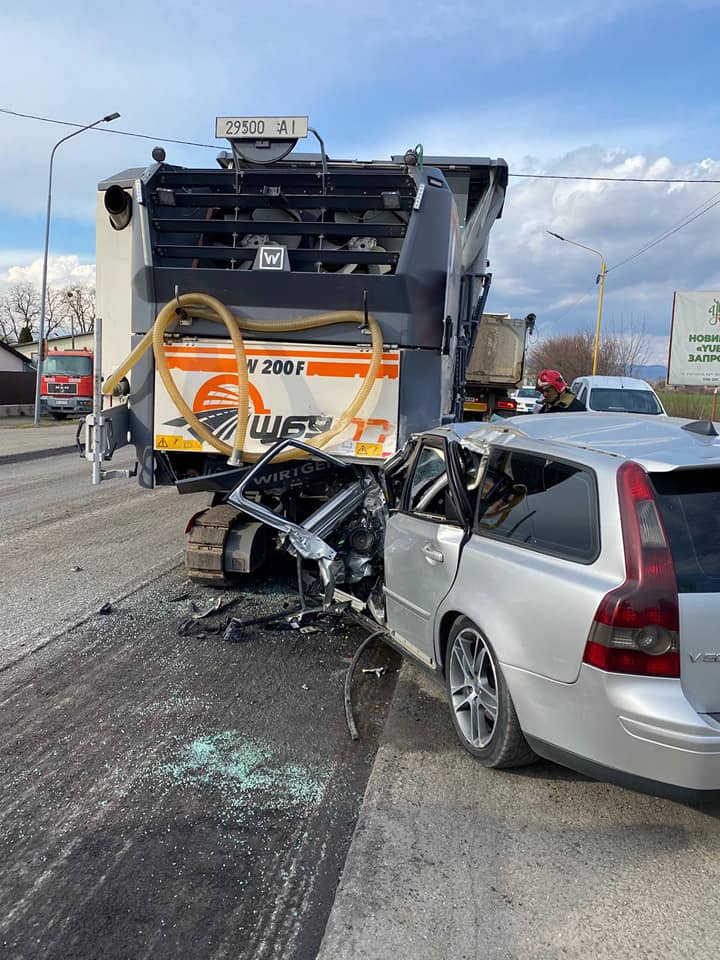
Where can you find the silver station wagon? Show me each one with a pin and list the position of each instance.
(563, 575)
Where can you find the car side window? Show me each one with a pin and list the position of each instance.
(541, 503)
(428, 479)
(429, 494)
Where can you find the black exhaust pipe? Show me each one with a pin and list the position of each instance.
(118, 204)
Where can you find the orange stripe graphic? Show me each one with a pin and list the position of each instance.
(387, 371)
(172, 350)
(316, 368)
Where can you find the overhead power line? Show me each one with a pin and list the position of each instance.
(564, 176)
(118, 133)
(693, 215)
(214, 146)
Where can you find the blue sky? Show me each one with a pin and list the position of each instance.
(554, 88)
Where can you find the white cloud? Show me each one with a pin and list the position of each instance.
(62, 270)
(616, 219)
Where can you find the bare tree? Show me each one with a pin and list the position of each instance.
(55, 311)
(79, 308)
(629, 345)
(19, 308)
(572, 354)
(66, 310)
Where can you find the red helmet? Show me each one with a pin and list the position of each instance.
(551, 378)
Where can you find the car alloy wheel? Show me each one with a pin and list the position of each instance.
(482, 709)
(473, 688)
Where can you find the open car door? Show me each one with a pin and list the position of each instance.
(424, 535)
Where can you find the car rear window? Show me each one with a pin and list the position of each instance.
(615, 400)
(690, 506)
(545, 504)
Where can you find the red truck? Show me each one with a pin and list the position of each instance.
(66, 384)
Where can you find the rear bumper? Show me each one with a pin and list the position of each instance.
(641, 731)
(599, 771)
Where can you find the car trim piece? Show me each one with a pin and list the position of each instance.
(407, 649)
(706, 743)
(631, 781)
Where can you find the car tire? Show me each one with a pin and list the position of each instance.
(481, 707)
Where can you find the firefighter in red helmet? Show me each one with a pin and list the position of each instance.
(557, 396)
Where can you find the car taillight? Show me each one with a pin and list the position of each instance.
(506, 404)
(635, 629)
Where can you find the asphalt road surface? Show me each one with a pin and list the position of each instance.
(163, 793)
(451, 860)
(67, 547)
(172, 795)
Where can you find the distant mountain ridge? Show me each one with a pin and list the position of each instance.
(650, 371)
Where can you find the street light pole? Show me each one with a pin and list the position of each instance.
(600, 279)
(43, 292)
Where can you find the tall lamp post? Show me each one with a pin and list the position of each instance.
(599, 279)
(43, 292)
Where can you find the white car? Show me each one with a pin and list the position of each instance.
(617, 395)
(526, 399)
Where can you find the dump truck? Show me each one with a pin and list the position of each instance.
(291, 316)
(496, 365)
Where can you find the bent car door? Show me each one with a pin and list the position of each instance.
(422, 549)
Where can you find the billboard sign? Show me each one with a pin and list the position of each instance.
(695, 339)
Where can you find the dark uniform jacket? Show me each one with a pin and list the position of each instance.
(566, 402)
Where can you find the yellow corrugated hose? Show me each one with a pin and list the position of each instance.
(203, 306)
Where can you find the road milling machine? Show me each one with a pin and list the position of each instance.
(273, 329)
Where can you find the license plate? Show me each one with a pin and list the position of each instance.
(265, 128)
(477, 406)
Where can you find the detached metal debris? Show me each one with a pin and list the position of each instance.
(218, 607)
(344, 535)
(291, 619)
(302, 619)
(349, 676)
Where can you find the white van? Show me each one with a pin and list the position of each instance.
(617, 395)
